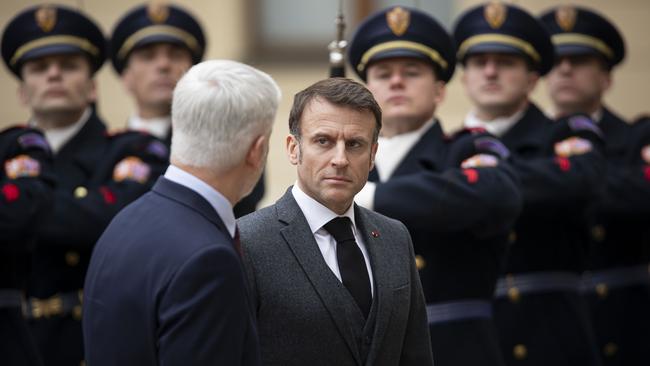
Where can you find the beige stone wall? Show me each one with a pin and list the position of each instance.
(225, 23)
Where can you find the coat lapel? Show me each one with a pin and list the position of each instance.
(303, 245)
(378, 250)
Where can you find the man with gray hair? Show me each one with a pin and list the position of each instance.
(165, 284)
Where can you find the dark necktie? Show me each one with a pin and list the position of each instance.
(352, 266)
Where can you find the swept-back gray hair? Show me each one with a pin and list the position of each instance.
(219, 107)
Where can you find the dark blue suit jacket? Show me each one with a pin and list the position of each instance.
(165, 286)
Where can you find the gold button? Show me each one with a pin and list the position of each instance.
(610, 349)
(72, 258)
(420, 263)
(602, 290)
(598, 233)
(512, 237)
(520, 352)
(513, 294)
(80, 192)
(76, 312)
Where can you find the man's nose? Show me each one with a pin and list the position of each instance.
(340, 158)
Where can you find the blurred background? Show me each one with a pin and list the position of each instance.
(288, 39)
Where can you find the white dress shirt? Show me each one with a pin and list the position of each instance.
(58, 137)
(158, 127)
(317, 216)
(216, 199)
(390, 153)
(498, 126)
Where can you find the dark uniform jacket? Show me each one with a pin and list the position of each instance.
(619, 219)
(457, 217)
(549, 327)
(620, 246)
(97, 175)
(26, 183)
(549, 233)
(459, 220)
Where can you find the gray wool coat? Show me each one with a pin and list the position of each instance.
(306, 316)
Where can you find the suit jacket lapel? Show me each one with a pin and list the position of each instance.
(301, 241)
(377, 247)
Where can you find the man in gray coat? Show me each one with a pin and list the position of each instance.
(331, 282)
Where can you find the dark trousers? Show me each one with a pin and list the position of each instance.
(546, 329)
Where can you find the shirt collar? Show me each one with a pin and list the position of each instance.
(216, 199)
(158, 127)
(498, 126)
(316, 214)
(58, 137)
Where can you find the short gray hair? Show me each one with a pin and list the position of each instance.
(218, 108)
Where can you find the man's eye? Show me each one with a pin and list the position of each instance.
(322, 141)
(354, 144)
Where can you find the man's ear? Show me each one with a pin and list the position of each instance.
(22, 94)
(257, 152)
(533, 78)
(373, 152)
(293, 149)
(127, 79)
(441, 91)
(92, 91)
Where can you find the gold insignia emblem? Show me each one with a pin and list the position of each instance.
(565, 17)
(158, 12)
(398, 20)
(495, 14)
(46, 18)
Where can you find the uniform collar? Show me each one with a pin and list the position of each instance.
(158, 127)
(498, 126)
(58, 137)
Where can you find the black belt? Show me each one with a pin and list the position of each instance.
(458, 310)
(57, 305)
(11, 298)
(512, 286)
(599, 281)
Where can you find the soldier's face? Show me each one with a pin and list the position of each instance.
(406, 89)
(499, 83)
(153, 71)
(335, 153)
(57, 84)
(577, 83)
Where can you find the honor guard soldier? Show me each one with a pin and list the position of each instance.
(457, 196)
(539, 312)
(55, 51)
(26, 183)
(588, 47)
(151, 47)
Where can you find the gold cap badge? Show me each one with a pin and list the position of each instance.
(46, 18)
(398, 20)
(495, 14)
(158, 12)
(565, 17)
